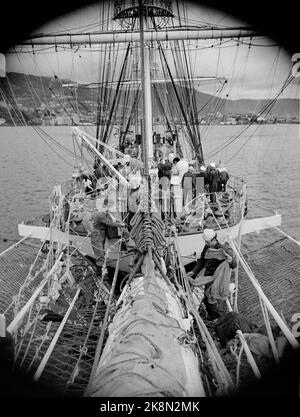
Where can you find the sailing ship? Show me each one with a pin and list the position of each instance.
(146, 338)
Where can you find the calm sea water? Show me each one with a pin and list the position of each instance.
(267, 157)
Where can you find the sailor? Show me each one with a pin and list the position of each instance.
(164, 169)
(102, 184)
(102, 221)
(136, 165)
(134, 194)
(164, 176)
(213, 255)
(97, 168)
(213, 181)
(188, 185)
(153, 172)
(223, 179)
(181, 165)
(176, 193)
(126, 165)
(87, 182)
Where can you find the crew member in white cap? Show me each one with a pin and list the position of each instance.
(101, 221)
(213, 254)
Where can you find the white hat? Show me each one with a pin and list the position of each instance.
(209, 234)
(213, 164)
(202, 168)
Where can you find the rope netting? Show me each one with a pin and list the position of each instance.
(277, 268)
(70, 363)
(24, 268)
(15, 265)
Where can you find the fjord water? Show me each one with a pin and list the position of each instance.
(267, 157)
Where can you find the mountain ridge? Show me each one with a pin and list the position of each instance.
(31, 92)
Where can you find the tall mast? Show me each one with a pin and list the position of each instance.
(142, 11)
(146, 93)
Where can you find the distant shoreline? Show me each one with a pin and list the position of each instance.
(200, 124)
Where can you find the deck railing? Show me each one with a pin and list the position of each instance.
(190, 212)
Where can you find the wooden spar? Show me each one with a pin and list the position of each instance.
(103, 159)
(134, 36)
(15, 244)
(249, 355)
(55, 338)
(105, 145)
(286, 235)
(153, 81)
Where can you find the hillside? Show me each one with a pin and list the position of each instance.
(37, 97)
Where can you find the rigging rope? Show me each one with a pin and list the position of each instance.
(116, 96)
(238, 134)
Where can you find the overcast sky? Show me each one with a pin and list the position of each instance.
(255, 72)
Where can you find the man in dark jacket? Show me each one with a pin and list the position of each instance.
(213, 181)
(223, 179)
(213, 254)
(103, 224)
(164, 169)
